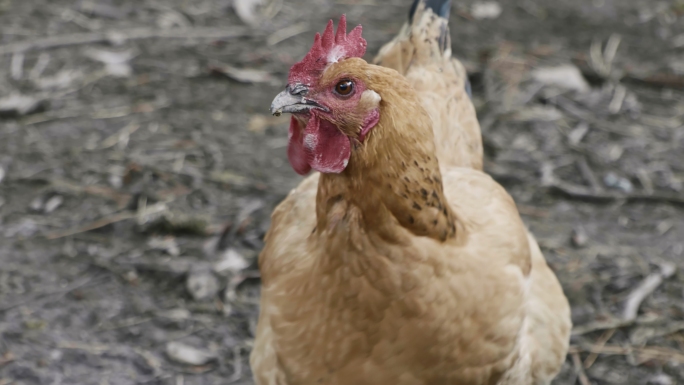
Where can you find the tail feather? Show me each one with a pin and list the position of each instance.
(421, 52)
(441, 8)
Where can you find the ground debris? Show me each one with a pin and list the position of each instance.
(579, 236)
(202, 284)
(17, 104)
(565, 76)
(645, 288)
(172, 222)
(138, 154)
(231, 261)
(243, 75)
(166, 244)
(485, 10)
(188, 355)
(116, 62)
(121, 36)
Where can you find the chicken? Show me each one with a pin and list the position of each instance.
(422, 53)
(384, 267)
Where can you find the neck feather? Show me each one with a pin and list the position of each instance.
(393, 178)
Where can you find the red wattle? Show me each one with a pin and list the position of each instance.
(320, 146)
(328, 148)
(295, 149)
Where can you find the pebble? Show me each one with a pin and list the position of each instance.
(202, 285)
(188, 355)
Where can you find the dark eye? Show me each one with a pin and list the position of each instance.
(344, 87)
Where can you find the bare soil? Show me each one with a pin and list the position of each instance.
(138, 173)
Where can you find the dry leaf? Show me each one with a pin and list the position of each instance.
(565, 76)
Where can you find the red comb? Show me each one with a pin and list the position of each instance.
(330, 48)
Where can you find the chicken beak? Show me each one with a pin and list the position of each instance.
(289, 102)
(285, 102)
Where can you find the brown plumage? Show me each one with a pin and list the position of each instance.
(394, 270)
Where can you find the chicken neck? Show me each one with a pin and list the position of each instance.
(393, 179)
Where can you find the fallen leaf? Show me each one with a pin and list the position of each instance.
(231, 262)
(566, 76)
(116, 62)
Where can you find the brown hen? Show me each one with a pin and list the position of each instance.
(384, 268)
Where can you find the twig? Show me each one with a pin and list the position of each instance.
(52, 42)
(237, 365)
(532, 211)
(588, 174)
(124, 324)
(581, 192)
(287, 33)
(663, 79)
(600, 325)
(73, 286)
(577, 363)
(7, 358)
(646, 353)
(142, 213)
(102, 222)
(601, 342)
(568, 106)
(645, 288)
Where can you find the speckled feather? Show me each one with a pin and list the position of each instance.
(422, 53)
(399, 271)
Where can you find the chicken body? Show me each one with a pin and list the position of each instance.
(351, 307)
(409, 267)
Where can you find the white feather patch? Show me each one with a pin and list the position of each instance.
(335, 54)
(370, 98)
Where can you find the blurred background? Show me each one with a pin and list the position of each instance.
(139, 167)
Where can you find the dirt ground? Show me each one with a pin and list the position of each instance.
(139, 167)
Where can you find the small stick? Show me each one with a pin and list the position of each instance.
(649, 353)
(532, 211)
(52, 42)
(577, 363)
(93, 225)
(588, 174)
(576, 191)
(597, 346)
(645, 288)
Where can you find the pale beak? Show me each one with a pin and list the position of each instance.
(293, 101)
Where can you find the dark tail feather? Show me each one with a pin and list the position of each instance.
(439, 7)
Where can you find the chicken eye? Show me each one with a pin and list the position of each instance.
(344, 87)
